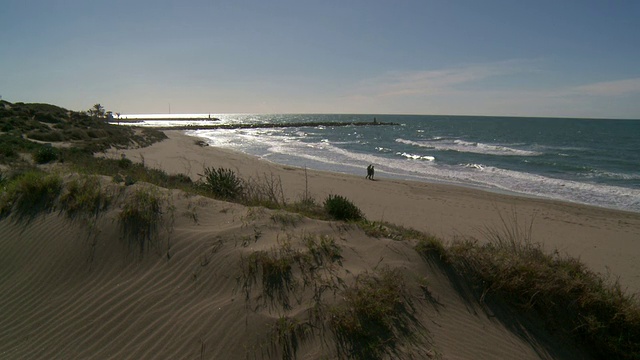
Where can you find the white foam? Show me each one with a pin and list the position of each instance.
(466, 146)
(416, 157)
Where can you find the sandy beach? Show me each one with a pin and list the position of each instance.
(72, 290)
(607, 240)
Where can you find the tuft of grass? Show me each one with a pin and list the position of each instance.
(430, 246)
(375, 316)
(29, 195)
(282, 269)
(324, 250)
(341, 208)
(288, 334)
(222, 183)
(140, 218)
(286, 218)
(275, 271)
(84, 198)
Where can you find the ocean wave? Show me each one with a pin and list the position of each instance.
(383, 149)
(416, 157)
(567, 190)
(474, 166)
(469, 147)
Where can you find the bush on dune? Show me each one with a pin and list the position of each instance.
(222, 183)
(561, 290)
(30, 194)
(340, 208)
(570, 298)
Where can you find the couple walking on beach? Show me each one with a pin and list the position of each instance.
(370, 172)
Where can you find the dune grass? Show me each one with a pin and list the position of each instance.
(287, 336)
(569, 298)
(29, 195)
(375, 316)
(84, 197)
(140, 218)
(561, 290)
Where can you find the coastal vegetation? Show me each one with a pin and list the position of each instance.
(375, 311)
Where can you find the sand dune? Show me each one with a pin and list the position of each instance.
(76, 290)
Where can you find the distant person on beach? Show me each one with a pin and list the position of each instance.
(370, 172)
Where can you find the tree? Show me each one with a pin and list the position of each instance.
(97, 111)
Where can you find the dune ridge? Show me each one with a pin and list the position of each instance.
(78, 290)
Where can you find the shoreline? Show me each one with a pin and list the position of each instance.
(604, 239)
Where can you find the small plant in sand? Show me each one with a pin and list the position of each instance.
(286, 218)
(140, 218)
(222, 183)
(374, 317)
(323, 250)
(30, 194)
(341, 208)
(274, 268)
(288, 334)
(84, 197)
(45, 154)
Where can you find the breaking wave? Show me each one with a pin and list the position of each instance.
(469, 147)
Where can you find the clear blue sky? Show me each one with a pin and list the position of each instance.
(577, 58)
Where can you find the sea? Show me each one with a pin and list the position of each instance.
(586, 161)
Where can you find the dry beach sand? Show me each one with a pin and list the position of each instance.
(70, 290)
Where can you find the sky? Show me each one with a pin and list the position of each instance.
(551, 58)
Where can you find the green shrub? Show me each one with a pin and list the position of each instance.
(340, 208)
(45, 154)
(140, 218)
(222, 183)
(29, 195)
(124, 163)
